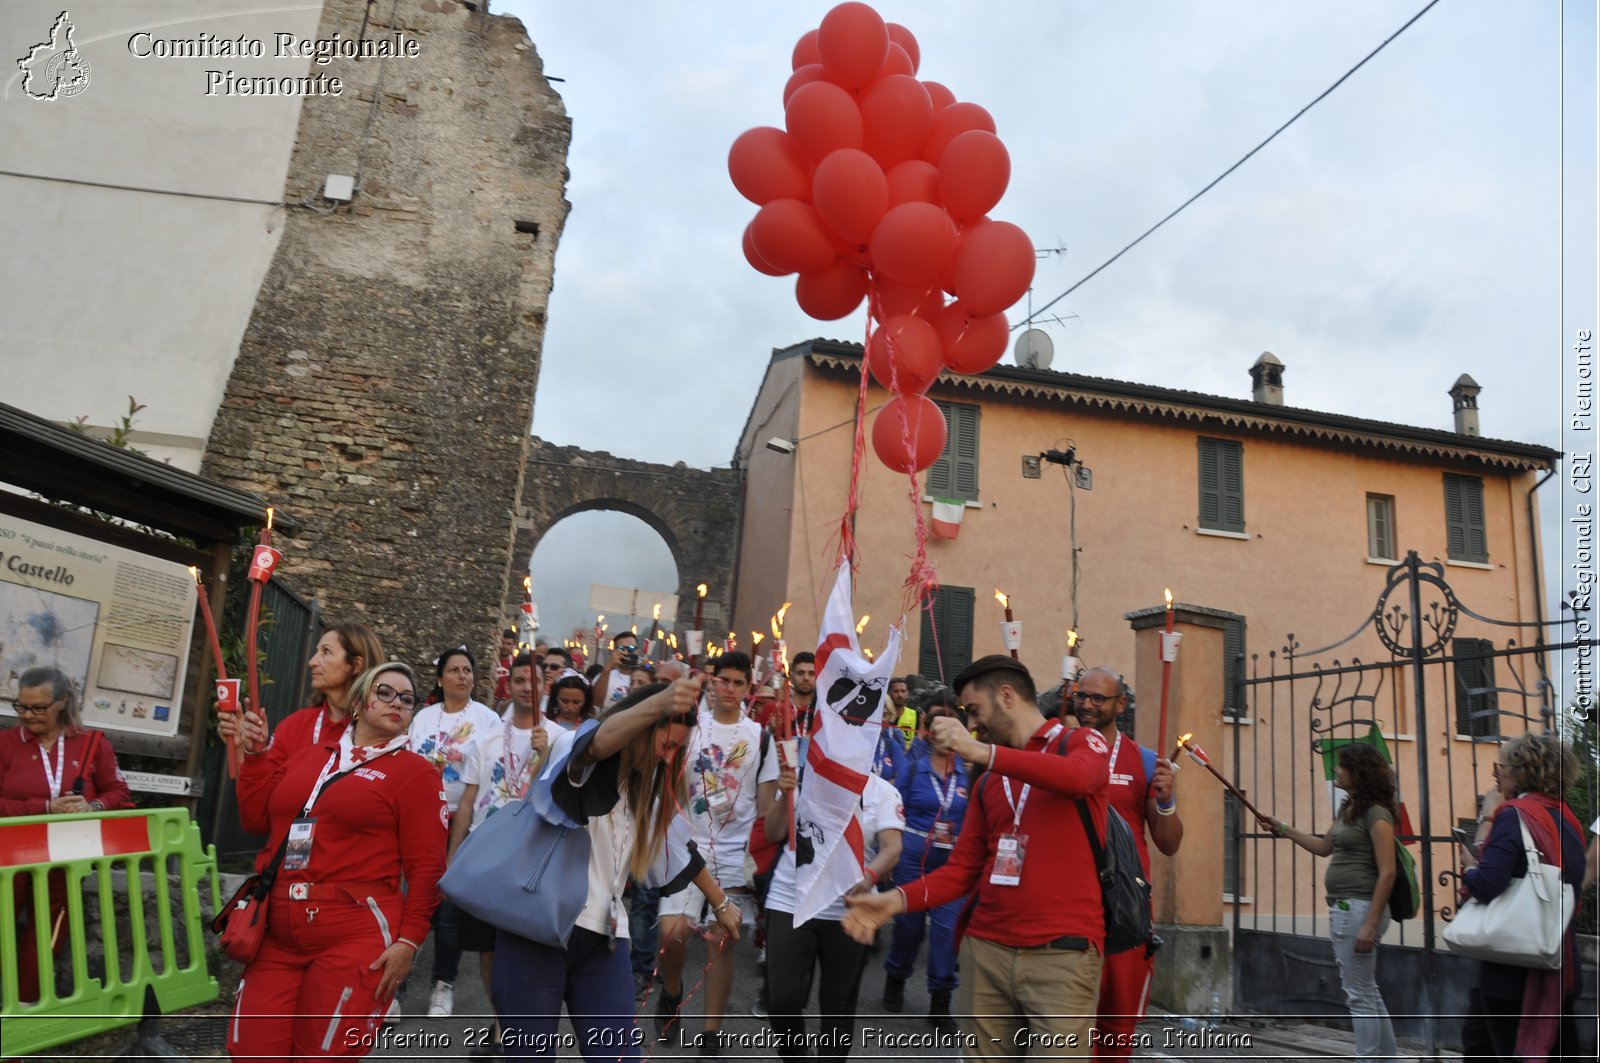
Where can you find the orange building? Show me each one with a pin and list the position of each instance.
(1264, 519)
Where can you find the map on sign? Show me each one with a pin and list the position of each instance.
(137, 671)
(43, 628)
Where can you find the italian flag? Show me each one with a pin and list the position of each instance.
(947, 513)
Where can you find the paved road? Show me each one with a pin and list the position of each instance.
(883, 1036)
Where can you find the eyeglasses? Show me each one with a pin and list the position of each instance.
(553, 666)
(389, 696)
(34, 710)
(1097, 700)
(737, 681)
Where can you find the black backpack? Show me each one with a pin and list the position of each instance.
(1123, 889)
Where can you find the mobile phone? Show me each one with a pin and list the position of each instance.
(1461, 835)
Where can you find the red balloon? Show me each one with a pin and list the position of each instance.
(949, 123)
(904, 354)
(973, 173)
(850, 193)
(971, 344)
(898, 34)
(893, 298)
(912, 243)
(909, 433)
(913, 181)
(804, 76)
(832, 292)
(789, 236)
(765, 166)
(992, 268)
(805, 51)
(896, 61)
(941, 96)
(822, 118)
(756, 261)
(852, 42)
(896, 118)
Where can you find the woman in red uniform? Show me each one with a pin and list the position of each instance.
(51, 764)
(343, 652)
(353, 816)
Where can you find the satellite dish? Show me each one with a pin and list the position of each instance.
(1034, 349)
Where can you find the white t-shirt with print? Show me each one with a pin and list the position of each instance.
(880, 809)
(501, 769)
(725, 768)
(446, 738)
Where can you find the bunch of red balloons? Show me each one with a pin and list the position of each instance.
(880, 184)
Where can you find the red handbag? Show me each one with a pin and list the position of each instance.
(242, 922)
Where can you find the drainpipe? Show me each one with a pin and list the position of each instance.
(1538, 587)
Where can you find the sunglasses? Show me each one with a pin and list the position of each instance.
(390, 696)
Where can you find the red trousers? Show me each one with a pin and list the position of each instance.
(1124, 992)
(309, 993)
(28, 938)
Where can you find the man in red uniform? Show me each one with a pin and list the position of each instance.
(1141, 791)
(1032, 936)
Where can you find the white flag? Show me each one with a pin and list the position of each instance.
(851, 694)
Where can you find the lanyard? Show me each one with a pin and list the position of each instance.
(947, 792)
(514, 786)
(1116, 747)
(1005, 781)
(322, 780)
(53, 779)
(316, 729)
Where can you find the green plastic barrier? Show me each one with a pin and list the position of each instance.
(148, 943)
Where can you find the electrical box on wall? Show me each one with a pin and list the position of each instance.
(341, 187)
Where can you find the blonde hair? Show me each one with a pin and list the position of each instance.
(1541, 763)
(361, 686)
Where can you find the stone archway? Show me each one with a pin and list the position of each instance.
(695, 511)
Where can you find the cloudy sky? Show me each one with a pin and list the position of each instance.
(1405, 230)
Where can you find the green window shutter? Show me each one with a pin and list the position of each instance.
(1465, 539)
(947, 618)
(955, 473)
(1221, 485)
(1233, 672)
(1477, 703)
(1230, 834)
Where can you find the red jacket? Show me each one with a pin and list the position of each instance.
(298, 731)
(24, 790)
(383, 820)
(1059, 894)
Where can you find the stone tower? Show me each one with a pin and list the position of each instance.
(384, 388)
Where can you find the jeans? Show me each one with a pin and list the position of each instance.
(1359, 973)
(793, 955)
(642, 929)
(590, 976)
(446, 942)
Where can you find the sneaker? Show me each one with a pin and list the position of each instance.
(894, 994)
(759, 1008)
(392, 1016)
(666, 1014)
(443, 1001)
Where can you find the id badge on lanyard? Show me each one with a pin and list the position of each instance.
(1012, 849)
(297, 851)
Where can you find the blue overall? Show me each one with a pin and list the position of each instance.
(920, 791)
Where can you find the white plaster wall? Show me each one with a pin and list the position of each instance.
(107, 293)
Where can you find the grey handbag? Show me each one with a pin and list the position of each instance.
(525, 869)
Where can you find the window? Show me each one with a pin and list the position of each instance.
(1463, 518)
(1222, 485)
(1380, 527)
(955, 474)
(1477, 702)
(946, 644)
(1235, 703)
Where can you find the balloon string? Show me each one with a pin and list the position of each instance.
(848, 552)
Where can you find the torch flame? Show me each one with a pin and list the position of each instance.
(269, 518)
(701, 590)
(755, 638)
(777, 621)
(863, 625)
(527, 583)
(655, 614)
(1183, 739)
(194, 570)
(868, 654)
(1169, 597)
(1072, 640)
(1000, 596)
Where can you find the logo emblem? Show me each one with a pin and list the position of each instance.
(55, 69)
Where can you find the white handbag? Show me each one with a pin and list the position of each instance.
(1526, 925)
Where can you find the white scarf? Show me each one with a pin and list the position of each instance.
(352, 755)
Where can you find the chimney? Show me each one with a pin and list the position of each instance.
(1266, 379)
(1464, 399)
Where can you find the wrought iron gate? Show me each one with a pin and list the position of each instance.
(1434, 685)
